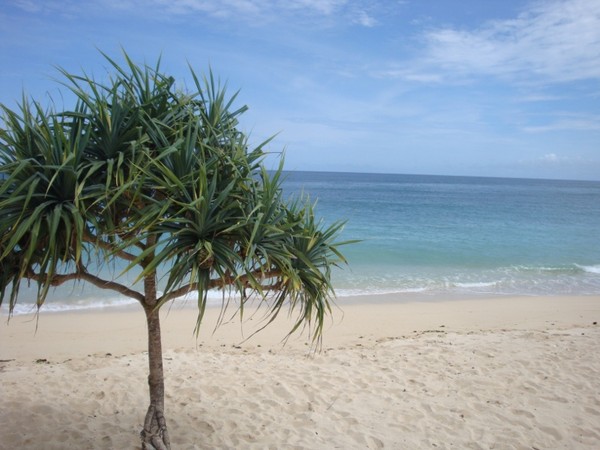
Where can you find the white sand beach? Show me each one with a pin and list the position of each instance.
(501, 373)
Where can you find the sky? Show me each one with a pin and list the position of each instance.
(507, 88)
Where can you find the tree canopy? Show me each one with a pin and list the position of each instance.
(163, 180)
(158, 177)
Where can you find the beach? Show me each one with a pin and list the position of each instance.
(501, 372)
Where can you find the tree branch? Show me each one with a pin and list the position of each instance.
(57, 280)
(95, 240)
(222, 282)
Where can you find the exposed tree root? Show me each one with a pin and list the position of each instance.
(155, 435)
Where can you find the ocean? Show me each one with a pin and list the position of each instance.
(444, 235)
(424, 236)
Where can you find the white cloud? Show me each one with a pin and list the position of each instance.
(550, 157)
(364, 19)
(556, 40)
(409, 75)
(572, 123)
(250, 11)
(533, 98)
(179, 8)
(554, 165)
(555, 160)
(326, 7)
(29, 5)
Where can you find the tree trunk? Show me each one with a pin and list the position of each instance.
(155, 435)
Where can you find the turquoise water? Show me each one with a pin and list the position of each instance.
(438, 235)
(424, 236)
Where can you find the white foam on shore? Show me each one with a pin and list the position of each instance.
(574, 279)
(58, 307)
(590, 269)
(215, 298)
(481, 284)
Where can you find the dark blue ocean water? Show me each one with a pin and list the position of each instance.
(424, 236)
(440, 235)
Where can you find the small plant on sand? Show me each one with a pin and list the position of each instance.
(163, 181)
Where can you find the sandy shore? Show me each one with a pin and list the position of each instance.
(490, 373)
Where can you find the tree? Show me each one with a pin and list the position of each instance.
(162, 180)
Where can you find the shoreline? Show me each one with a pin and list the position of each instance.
(122, 329)
(518, 372)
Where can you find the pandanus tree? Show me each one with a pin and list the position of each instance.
(163, 180)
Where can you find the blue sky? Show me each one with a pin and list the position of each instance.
(456, 87)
